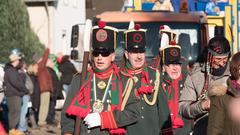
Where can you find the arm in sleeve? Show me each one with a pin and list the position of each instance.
(189, 106)
(216, 117)
(43, 62)
(129, 115)
(17, 82)
(164, 114)
(68, 122)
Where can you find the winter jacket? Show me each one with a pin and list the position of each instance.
(68, 70)
(57, 89)
(189, 105)
(15, 85)
(220, 122)
(44, 77)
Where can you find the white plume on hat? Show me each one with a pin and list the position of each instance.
(131, 25)
(165, 37)
(164, 41)
(165, 28)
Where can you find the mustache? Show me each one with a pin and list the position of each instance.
(139, 59)
(99, 62)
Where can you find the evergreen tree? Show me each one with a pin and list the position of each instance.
(15, 31)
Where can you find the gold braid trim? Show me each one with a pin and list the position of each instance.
(156, 88)
(127, 92)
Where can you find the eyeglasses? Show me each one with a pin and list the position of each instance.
(103, 53)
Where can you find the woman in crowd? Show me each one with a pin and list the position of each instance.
(222, 119)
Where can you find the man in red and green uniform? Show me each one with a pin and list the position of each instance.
(155, 116)
(172, 80)
(103, 102)
(173, 68)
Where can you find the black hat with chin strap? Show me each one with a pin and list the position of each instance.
(104, 37)
(135, 39)
(171, 54)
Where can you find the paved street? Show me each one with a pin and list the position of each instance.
(50, 130)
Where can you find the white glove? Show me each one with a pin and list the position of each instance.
(92, 120)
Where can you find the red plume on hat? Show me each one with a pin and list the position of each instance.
(161, 27)
(137, 26)
(173, 43)
(101, 24)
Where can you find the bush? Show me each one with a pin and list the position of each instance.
(16, 32)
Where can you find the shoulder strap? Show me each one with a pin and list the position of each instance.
(127, 92)
(156, 88)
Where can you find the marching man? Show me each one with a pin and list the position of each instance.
(103, 102)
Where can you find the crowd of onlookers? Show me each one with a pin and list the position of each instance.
(29, 92)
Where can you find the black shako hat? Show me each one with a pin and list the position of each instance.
(104, 37)
(135, 39)
(171, 54)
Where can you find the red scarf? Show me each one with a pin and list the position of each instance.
(146, 86)
(172, 93)
(80, 105)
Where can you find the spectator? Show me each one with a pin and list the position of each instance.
(45, 83)
(222, 118)
(67, 70)
(53, 95)
(15, 89)
(25, 99)
(35, 96)
(194, 102)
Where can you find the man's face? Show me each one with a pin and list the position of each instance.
(219, 61)
(102, 62)
(137, 60)
(16, 63)
(173, 70)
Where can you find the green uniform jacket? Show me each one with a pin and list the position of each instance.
(186, 129)
(123, 118)
(155, 119)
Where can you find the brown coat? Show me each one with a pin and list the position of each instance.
(220, 122)
(43, 76)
